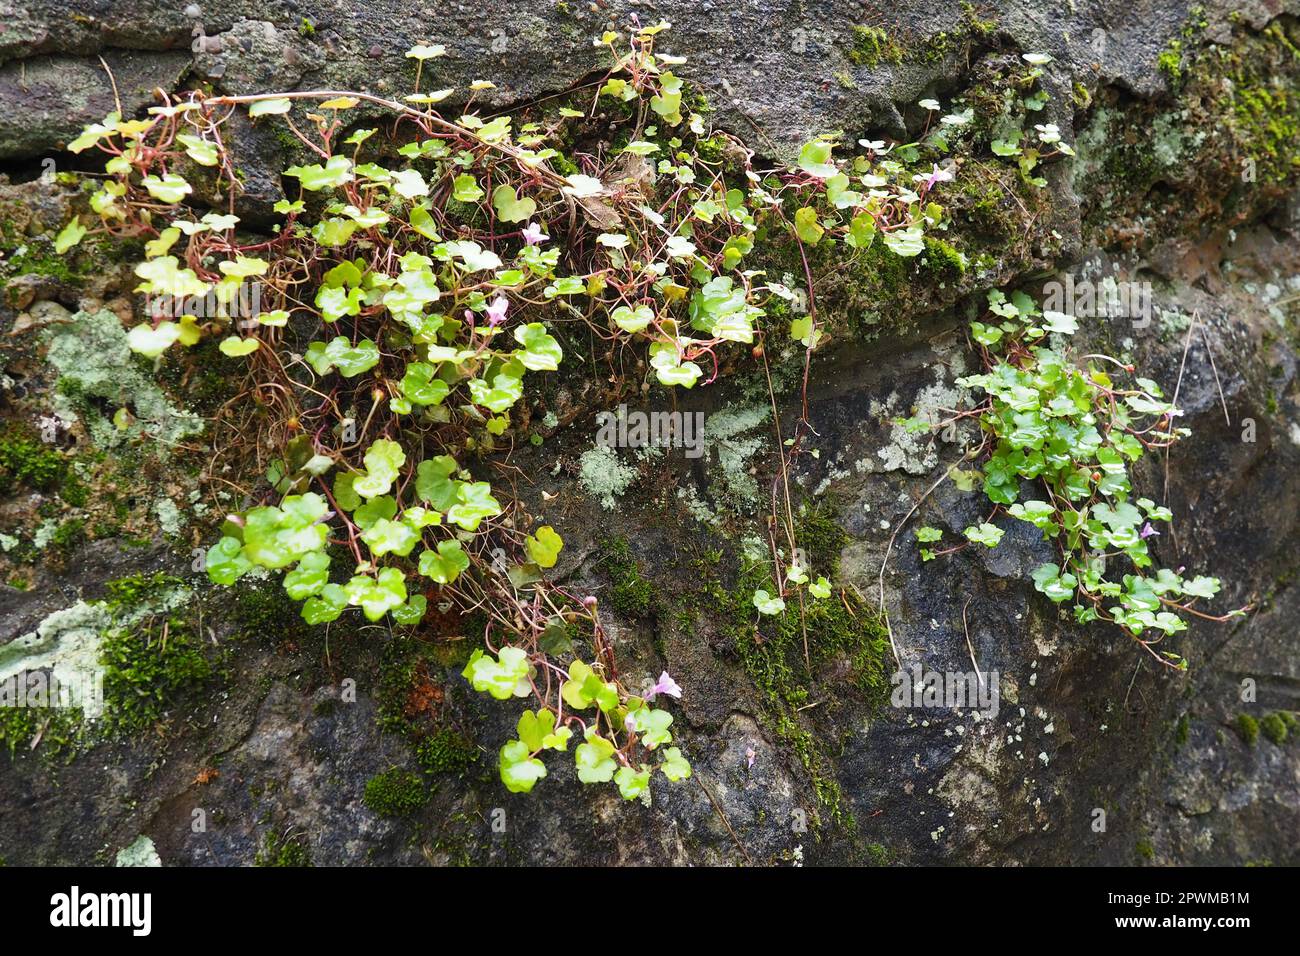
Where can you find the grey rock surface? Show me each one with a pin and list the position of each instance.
(1085, 723)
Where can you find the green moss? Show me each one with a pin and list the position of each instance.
(943, 260)
(845, 639)
(1182, 731)
(146, 669)
(395, 793)
(879, 855)
(74, 491)
(973, 22)
(1170, 62)
(630, 593)
(1233, 149)
(265, 611)
(69, 534)
(710, 149)
(58, 728)
(872, 46)
(446, 752)
(284, 850)
(1248, 727)
(1274, 728)
(1144, 849)
(25, 460)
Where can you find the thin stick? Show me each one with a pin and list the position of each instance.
(970, 647)
(1210, 352)
(112, 82)
(1187, 344)
(889, 628)
(723, 817)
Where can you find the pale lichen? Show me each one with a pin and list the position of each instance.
(91, 355)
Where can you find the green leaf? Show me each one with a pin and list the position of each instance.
(815, 159)
(632, 783)
(1049, 580)
(446, 564)
(510, 207)
(69, 236)
(503, 678)
(327, 607)
(309, 577)
(382, 506)
(151, 342)
(390, 537)
(384, 458)
(225, 561)
(466, 189)
(475, 502)
(986, 534)
(541, 353)
(807, 227)
(674, 766)
(433, 482)
(519, 770)
(544, 548)
(632, 320)
(336, 171)
(350, 360)
(408, 184)
(412, 612)
(236, 347)
(168, 188)
(595, 759)
(651, 725)
(421, 385)
(1060, 322)
(269, 107)
(768, 604)
(534, 728)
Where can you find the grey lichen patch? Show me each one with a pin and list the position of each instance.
(141, 852)
(68, 643)
(604, 476)
(91, 355)
(170, 518)
(736, 434)
(914, 452)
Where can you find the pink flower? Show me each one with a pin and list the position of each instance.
(533, 234)
(666, 685)
(937, 175)
(749, 758)
(1148, 531)
(496, 311)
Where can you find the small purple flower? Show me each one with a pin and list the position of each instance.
(749, 758)
(937, 175)
(1148, 531)
(665, 685)
(533, 234)
(496, 310)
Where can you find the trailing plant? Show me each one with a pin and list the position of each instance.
(1072, 425)
(439, 266)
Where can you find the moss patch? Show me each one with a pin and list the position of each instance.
(837, 647)
(446, 751)
(630, 593)
(283, 850)
(1248, 727)
(395, 793)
